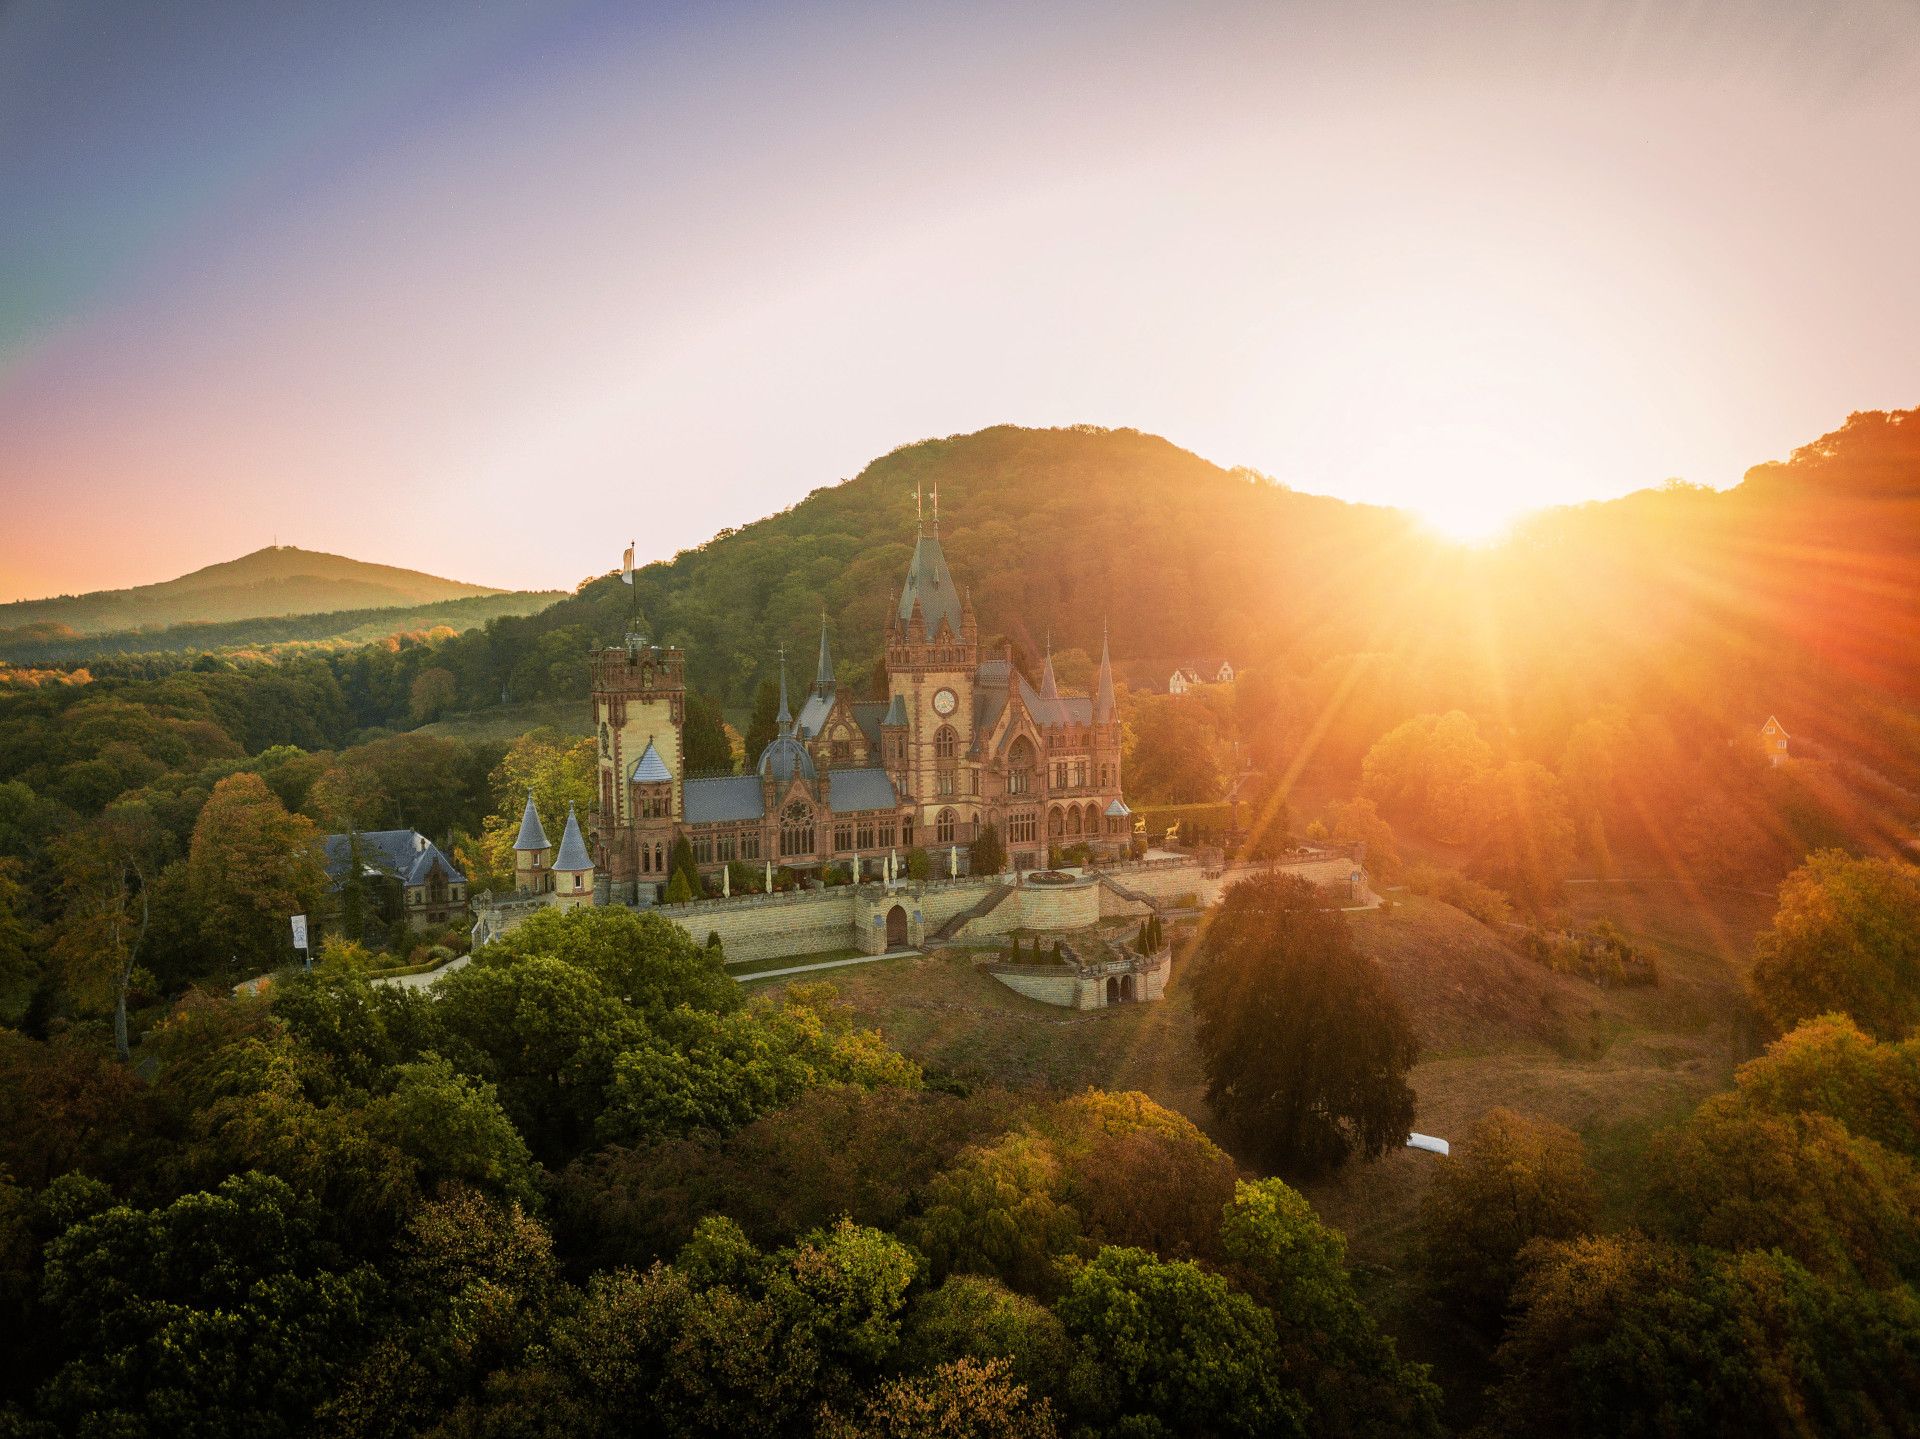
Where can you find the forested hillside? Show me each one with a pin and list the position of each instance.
(279, 580)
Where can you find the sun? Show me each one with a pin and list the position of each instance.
(1470, 519)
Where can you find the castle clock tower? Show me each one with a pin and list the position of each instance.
(933, 654)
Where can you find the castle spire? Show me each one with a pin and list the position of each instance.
(533, 836)
(1103, 706)
(823, 675)
(1049, 686)
(785, 717)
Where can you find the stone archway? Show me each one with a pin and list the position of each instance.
(1113, 989)
(1126, 989)
(896, 928)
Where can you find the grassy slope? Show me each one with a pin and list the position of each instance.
(1615, 1065)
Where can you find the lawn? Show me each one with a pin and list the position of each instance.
(509, 722)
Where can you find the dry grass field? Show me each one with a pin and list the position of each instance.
(1614, 1064)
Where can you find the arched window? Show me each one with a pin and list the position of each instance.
(659, 859)
(796, 829)
(646, 859)
(1093, 819)
(1020, 763)
(606, 739)
(1056, 824)
(943, 827)
(945, 742)
(1073, 819)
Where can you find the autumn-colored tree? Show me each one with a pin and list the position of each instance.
(1305, 1045)
(1176, 754)
(431, 695)
(348, 797)
(1358, 820)
(975, 1398)
(1430, 768)
(1523, 841)
(1510, 1180)
(1829, 1066)
(251, 866)
(105, 868)
(558, 769)
(1845, 938)
(18, 970)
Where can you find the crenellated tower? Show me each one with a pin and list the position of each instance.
(933, 657)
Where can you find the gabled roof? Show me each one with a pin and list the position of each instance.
(573, 854)
(854, 789)
(813, 715)
(1063, 710)
(1778, 726)
(869, 715)
(532, 835)
(930, 585)
(403, 854)
(722, 798)
(650, 768)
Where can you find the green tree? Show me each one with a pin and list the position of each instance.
(974, 1317)
(218, 1314)
(252, 866)
(680, 864)
(1845, 938)
(1828, 1066)
(433, 692)
(1166, 1348)
(1305, 1045)
(646, 960)
(1620, 1334)
(704, 736)
(763, 724)
(987, 854)
(1509, 1181)
(454, 1130)
(559, 769)
(19, 968)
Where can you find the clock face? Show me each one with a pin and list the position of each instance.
(944, 701)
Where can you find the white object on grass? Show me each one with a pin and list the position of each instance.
(1429, 1143)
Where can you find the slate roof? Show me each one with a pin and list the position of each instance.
(1067, 709)
(896, 711)
(785, 758)
(813, 715)
(861, 789)
(930, 583)
(1103, 702)
(404, 854)
(650, 768)
(532, 836)
(869, 714)
(722, 798)
(573, 847)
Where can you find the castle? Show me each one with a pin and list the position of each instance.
(962, 741)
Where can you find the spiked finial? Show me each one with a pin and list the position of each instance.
(785, 717)
(1103, 703)
(823, 674)
(1049, 686)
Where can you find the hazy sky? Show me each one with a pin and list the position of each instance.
(488, 290)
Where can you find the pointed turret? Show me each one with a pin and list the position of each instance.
(1103, 705)
(532, 835)
(573, 866)
(785, 717)
(573, 847)
(823, 673)
(1049, 686)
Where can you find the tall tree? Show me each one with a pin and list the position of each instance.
(1306, 1046)
(705, 736)
(251, 867)
(763, 725)
(105, 868)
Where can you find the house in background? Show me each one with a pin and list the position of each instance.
(1200, 672)
(1773, 738)
(406, 872)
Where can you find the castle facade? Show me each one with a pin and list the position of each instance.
(962, 741)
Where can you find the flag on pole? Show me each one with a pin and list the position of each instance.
(626, 566)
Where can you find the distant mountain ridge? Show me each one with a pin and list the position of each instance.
(276, 582)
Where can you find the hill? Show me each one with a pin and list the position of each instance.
(277, 581)
(57, 644)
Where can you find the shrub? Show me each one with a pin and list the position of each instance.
(1603, 954)
(1449, 886)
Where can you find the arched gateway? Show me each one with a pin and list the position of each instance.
(896, 928)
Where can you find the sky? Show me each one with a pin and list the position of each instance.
(490, 289)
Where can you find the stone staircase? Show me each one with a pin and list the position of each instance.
(985, 905)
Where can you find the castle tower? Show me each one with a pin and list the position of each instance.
(933, 656)
(572, 867)
(639, 701)
(530, 852)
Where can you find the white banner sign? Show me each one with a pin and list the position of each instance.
(299, 931)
